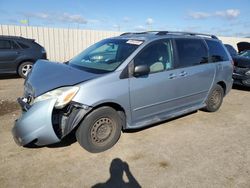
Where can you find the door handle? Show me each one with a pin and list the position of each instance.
(171, 76)
(183, 73)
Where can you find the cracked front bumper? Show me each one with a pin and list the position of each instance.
(35, 124)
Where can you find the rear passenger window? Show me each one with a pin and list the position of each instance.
(5, 44)
(191, 52)
(23, 45)
(14, 45)
(216, 51)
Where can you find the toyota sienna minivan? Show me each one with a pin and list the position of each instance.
(126, 82)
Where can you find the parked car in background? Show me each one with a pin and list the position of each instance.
(126, 82)
(18, 54)
(241, 74)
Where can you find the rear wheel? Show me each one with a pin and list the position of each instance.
(100, 130)
(24, 69)
(214, 99)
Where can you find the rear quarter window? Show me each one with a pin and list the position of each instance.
(216, 51)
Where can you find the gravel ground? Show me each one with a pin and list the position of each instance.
(198, 150)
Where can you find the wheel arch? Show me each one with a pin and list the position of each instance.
(120, 110)
(23, 61)
(223, 85)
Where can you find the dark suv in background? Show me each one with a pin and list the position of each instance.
(18, 54)
(241, 74)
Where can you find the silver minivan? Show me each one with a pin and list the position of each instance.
(126, 82)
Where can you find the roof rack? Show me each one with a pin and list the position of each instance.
(173, 32)
(131, 33)
(186, 33)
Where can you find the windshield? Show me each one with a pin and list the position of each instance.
(245, 54)
(105, 56)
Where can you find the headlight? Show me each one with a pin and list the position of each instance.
(247, 73)
(63, 95)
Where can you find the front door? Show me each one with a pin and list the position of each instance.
(154, 93)
(8, 56)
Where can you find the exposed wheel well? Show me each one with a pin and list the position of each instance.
(223, 85)
(120, 110)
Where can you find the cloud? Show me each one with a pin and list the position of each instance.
(199, 15)
(140, 28)
(72, 18)
(93, 21)
(228, 14)
(149, 21)
(65, 17)
(126, 19)
(242, 34)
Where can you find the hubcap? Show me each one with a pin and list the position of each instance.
(26, 69)
(102, 131)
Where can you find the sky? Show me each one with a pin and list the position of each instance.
(219, 17)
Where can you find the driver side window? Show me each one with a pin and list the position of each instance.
(157, 56)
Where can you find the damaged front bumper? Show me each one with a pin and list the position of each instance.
(42, 124)
(240, 77)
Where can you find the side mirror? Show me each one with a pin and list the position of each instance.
(141, 70)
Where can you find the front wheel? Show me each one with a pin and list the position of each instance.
(100, 130)
(214, 99)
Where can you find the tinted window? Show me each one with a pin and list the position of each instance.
(191, 52)
(216, 51)
(23, 45)
(14, 45)
(5, 44)
(158, 56)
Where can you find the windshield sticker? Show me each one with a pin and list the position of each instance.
(135, 42)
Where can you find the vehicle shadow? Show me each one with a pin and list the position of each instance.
(9, 76)
(66, 141)
(117, 169)
(242, 88)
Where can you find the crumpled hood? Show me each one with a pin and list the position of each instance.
(46, 76)
(242, 46)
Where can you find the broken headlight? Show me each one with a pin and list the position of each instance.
(63, 95)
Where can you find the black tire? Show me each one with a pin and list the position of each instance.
(100, 130)
(215, 99)
(24, 68)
